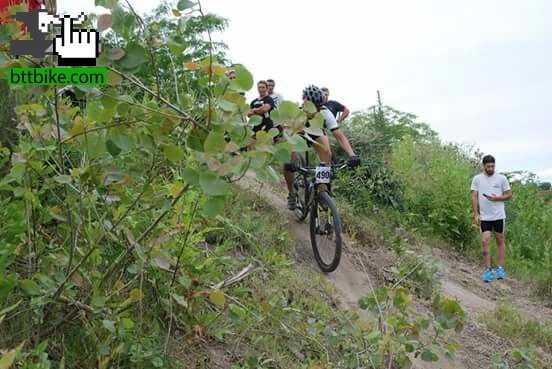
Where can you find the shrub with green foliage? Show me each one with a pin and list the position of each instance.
(529, 234)
(100, 229)
(436, 181)
(372, 133)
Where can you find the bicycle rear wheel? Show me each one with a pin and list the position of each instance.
(325, 232)
(301, 189)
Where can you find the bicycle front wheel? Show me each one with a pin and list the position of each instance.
(325, 232)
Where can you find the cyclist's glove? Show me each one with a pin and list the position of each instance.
(354, 161)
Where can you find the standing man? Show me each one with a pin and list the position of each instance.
(335, 107)
(489, 190)
(278, 98)
(262, 106)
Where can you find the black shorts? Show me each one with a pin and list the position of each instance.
(497, 226)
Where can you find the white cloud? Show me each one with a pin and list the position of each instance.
(545, 174)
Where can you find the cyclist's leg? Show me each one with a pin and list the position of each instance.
(288, 174)
(323, 150)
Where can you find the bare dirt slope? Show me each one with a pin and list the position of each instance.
(361, 269)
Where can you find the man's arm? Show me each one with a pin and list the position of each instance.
(507, 195)
(265, 108)
(268, 105)
(343, 142)
(475, 205)
(344, 114)
(506, 192)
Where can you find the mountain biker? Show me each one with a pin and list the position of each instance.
(335, 107)
(321, 143)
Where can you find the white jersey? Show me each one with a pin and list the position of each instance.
(330, 123)
(278, 98)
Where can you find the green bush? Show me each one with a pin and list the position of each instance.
(436, 181)
(529, 234)
(372, 134)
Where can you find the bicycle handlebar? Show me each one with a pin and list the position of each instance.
(337, 166)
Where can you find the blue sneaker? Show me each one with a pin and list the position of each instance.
(488, 275)
(500, 273)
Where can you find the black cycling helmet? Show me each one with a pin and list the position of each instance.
(314, 95)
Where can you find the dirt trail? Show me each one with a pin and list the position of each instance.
(357, 272)
(461, 279)
(351, 280)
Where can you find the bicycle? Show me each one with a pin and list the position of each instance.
(313, 191)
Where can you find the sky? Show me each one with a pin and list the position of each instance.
(478, 72)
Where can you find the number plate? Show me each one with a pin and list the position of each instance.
(323, 174)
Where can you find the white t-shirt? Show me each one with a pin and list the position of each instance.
(496, 184)
(278, 98)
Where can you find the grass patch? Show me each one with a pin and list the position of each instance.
(509, 323)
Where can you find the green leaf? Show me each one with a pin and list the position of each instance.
(213, 206)
(317, 121)
(255, 120)
(288, 110)
(30, 287)
(7, 359)
(109, 325)
(10, 308)
(106, 3)
(273, 174)
(227, 105)
(157, 362)
(430, 356)
(214, 143)
(127, 323)
(401, 300)
(6, 285)
(180, 300)
(243, 80)
(123, 22)
(113, 149)
(135, 56)
(175, 189)
(185, 281)
(212, 185)
(64, 178)
(217, 297)
(184, 4)
(174, 153)
(309, 107)
(190, 176)
(123, 141)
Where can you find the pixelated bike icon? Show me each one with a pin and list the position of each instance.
(74, 46)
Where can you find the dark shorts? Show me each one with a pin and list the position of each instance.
(497, 226)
